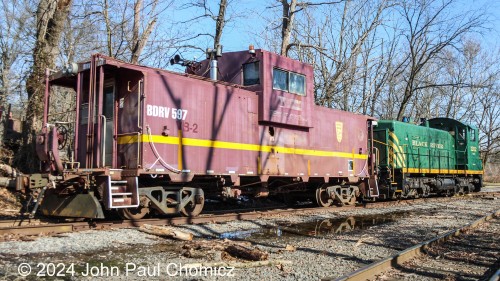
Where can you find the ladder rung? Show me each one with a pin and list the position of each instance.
(116, 182)
(121, 193)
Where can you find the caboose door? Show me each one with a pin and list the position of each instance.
(129, 123)
(108, 122)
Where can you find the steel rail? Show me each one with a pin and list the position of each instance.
(26, 228)
(376, 268)
(495, 276)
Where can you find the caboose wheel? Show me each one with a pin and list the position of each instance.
(323, 198)
(194, 208)
(133, 213)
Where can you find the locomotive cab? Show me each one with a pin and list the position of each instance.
(466, 142)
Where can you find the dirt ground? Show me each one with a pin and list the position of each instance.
(10, 204)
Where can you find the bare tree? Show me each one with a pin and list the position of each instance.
(288, 17)
(288, 14)
(15, 20)
(489, 124)
(221, 18)
(220, 22)
(345, 38)
(428, 31)
(139, 40)
(50, 20)
(127, 25)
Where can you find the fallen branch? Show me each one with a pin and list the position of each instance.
(246, 253)
(238, 264)
(237, 249)
(365, 238)
(215, 244)
(163, 231)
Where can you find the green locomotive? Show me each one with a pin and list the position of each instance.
(439, 156)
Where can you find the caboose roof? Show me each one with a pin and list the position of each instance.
(60, 78)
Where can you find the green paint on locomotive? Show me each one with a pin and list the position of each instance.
(438, 146)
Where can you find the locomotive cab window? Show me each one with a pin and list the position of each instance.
(251, 74)
(291, 82)
(472, 134)
(461, 134)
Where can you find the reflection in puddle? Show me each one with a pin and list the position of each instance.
(240, 234)
(316, 228)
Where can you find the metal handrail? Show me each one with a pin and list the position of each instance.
(103, 143)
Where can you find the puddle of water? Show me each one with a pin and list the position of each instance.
(240, 234)
(320, 227)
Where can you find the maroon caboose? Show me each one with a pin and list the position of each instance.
(153, 140)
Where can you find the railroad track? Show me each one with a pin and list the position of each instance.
(371, 271)
(19, 228)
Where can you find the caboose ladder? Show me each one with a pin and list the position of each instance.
(122, 193)
(373, 186)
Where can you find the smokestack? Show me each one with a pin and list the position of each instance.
(213, 55)
(213, 69)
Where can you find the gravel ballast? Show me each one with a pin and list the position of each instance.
(311, 245)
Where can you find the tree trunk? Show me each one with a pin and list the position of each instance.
(139, 41)
(50, 20)
(220, 22)
(287, 25)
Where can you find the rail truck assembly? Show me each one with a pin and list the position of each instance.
(152, 141)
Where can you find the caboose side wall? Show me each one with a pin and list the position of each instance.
(280, 108)
(219, 138)
(344, 133)
(201, 127)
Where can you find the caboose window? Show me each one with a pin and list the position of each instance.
(297, 84)
(280, 79)
(289, 81)
(251, 74)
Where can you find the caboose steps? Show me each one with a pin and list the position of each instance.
(121, 193)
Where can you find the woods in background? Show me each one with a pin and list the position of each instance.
(385, 58)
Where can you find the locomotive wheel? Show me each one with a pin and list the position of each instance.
(193, 208)
(323, 198)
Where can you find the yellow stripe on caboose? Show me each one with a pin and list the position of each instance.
(159, 139)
